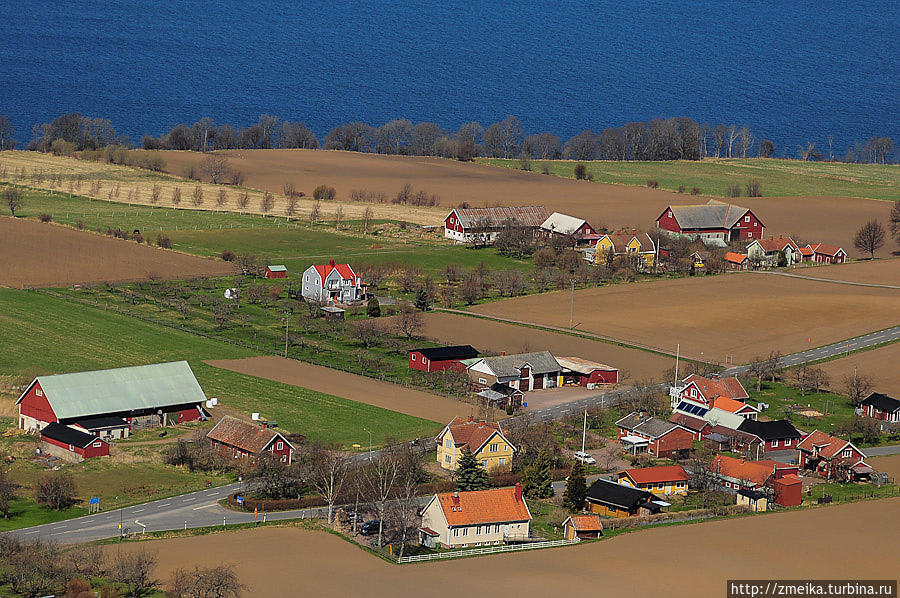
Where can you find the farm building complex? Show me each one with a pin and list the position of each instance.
(332, 283)
(713, 222)
(482, 225)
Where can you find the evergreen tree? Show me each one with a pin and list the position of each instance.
(537, 482)
(576, 488)
(373, 308)
(421, 302)
(470, 475)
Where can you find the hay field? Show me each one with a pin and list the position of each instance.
(881, 365)
(493, 337)
(124, 184)
(274, 560)
(737, 314)
(34, 254)
(827, 218)
(349, 386)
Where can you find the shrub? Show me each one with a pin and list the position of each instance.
(580, 171)
(227, 255)
(164, 242)
(45, 218)
(80, 225)
(61, 147)
(237, 177)
(733, 191)
(652, 184)
(681, 188)
(324, 192)
(695, 190)
(545, 169)
(753, 188)
(137, 238)
(56, 490)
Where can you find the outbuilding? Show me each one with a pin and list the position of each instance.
(583, 372)
(238, 439)
(70, 444)
(438, 359)
(583, 527)
(278, 271)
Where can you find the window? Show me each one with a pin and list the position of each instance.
(482, 381)
(284, 458)
(448, 443)
(424, 360)
(465, 531)
(746, 218)
(477, 530)
(749, 235)
(787, 442)
(497, 529)
(71, 448)
(484, 463)
(846, 453)
(446, 458)
(494, 447)
(413, 356)
(670, 213)
(693, 392)
(38, 392)
(455, 532)
(279, 446)
(98, 444)
(502, 460)
(774, 443)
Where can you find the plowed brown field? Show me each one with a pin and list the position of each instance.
(349, 386)
(882, 366)
(877, 272)
(34, 254)
(824, 219)
(739, 314)
(279, 561)
(488, 336)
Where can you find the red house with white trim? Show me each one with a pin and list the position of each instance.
(642, 434)
(438, 359)
(712, 220)
(278, 271)
(825, 254)
(831, 457)
(238, 439)
(880, 406)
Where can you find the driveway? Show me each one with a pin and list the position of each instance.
(551, 397)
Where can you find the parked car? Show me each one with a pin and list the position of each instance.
(369, 528)
(584, 458)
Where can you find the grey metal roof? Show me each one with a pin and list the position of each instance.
(541, 362)
(278, 268)
(122, 389)
(521, 215)
(714, 214)
(562, 223)
(649, 426)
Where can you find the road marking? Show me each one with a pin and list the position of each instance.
(139, 511)
(204, 507)
(164, 504)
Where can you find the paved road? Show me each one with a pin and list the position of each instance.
(881, 451)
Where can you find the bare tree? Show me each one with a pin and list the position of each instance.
(406, 507)
(315, 213)
(870, 237)
(328, 472)
(338, 217)
(220, 581)
(291, 207)
(381, 475)
(176, 196)
(856, 387)
(409, 321)
(216, 167)
(757, 368)
(56, 490)
(135, 570)
(197, 196)
(7, 492)
(894, 221)
(367, 219)
(222, 198)
(243, 200)
(268, 202)
(13, 197)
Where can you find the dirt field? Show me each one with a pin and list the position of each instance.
(881, 365)
(739, 314)
(34, 254)
(494, 337)
(273, 560)
(878, 272)
(349, 386)
(823, 219)
(890, 464)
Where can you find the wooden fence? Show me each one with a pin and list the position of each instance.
(453, 554)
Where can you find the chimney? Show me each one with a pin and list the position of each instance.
(518, 492)
(331, 263)
(502, 353)
(715, 376)
(456, 499)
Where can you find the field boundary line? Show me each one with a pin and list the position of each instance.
(833, 281)
(487, 550)
(578, 333)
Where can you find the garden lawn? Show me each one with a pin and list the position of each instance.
(547, 519)
(835, 408)
(848, 492)
(24, 512)
(778, 177)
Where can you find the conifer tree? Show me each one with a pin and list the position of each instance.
(576, 488)
(421, 302)
(470, 475)
(373, 308)
(537, 482)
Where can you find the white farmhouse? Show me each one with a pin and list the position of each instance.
(332, 283)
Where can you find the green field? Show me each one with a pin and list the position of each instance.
(779, 178)
(43, 335)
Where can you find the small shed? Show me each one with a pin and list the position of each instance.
(576, 370)
(333, 313)
(278, 271)
(754, 499)
(584, 527)
(70, 444)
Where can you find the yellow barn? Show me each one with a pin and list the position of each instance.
(484, 439)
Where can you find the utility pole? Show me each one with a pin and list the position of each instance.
(584, 431)
(287, 323)
(370, 444)
(572, 307)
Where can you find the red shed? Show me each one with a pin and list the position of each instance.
(436, 359)
(576, 370)
(788, 491)
(278, 271)
(71, 444)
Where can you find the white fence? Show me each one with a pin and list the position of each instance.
(486, 550)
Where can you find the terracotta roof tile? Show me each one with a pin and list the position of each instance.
(729, 404)
(729, 387)
(243, 435)
(757, 472)
(655, 475)
(828, 445)
(586, 523)
(483, 506)
(735, 258)
(776, 243)
(472, 433)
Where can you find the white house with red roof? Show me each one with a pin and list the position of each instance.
(768, 251)
(332, 283)
(832, 457)
(476, 518)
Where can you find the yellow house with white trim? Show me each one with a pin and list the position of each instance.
(484, 439)
(644, 246)
(665, 479)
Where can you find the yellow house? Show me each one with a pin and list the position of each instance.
(484, 439)
(605, 245)
(666, 479)
(644, 246)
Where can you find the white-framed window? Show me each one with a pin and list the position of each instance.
(846, 453)
(279, 446)
(787, 442)
(494, 447)
(465, 531)
(482, 380)
(693, 392)
(38, 392)
(424, 360)
(71, 448)
(455, 532)
(284, 458)
(497, 529)
(670, 213)
(502, 460)
(448, 443)
(446, 458)
(774, 443)
(749, 235)
(484, 463)
(98, 444)
(746, 218)
(477, 530)
(413, 356)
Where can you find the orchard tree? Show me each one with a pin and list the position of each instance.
(894, 221)
(13, 197)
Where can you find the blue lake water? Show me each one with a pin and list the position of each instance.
(793, 71)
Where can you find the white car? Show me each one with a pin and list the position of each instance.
(584, 458)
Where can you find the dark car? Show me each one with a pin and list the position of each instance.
(369, 528)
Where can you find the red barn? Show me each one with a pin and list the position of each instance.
(576, 370)
(276, 271)
(238, 439)
(713, 220)
(70, 444)
(437, 359)
(640, 433)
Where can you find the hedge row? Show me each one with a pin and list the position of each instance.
(629, 522)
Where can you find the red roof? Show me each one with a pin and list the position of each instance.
(824, 249)
(691, 423)
(656, 475)
(484, 506)
(713, 387)
(344, 270)
(827, 445)
(776, 243)
(806, 251)
(735, 258)
(757, 472)
(586, 523)
(473, 433)
(729, 404)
